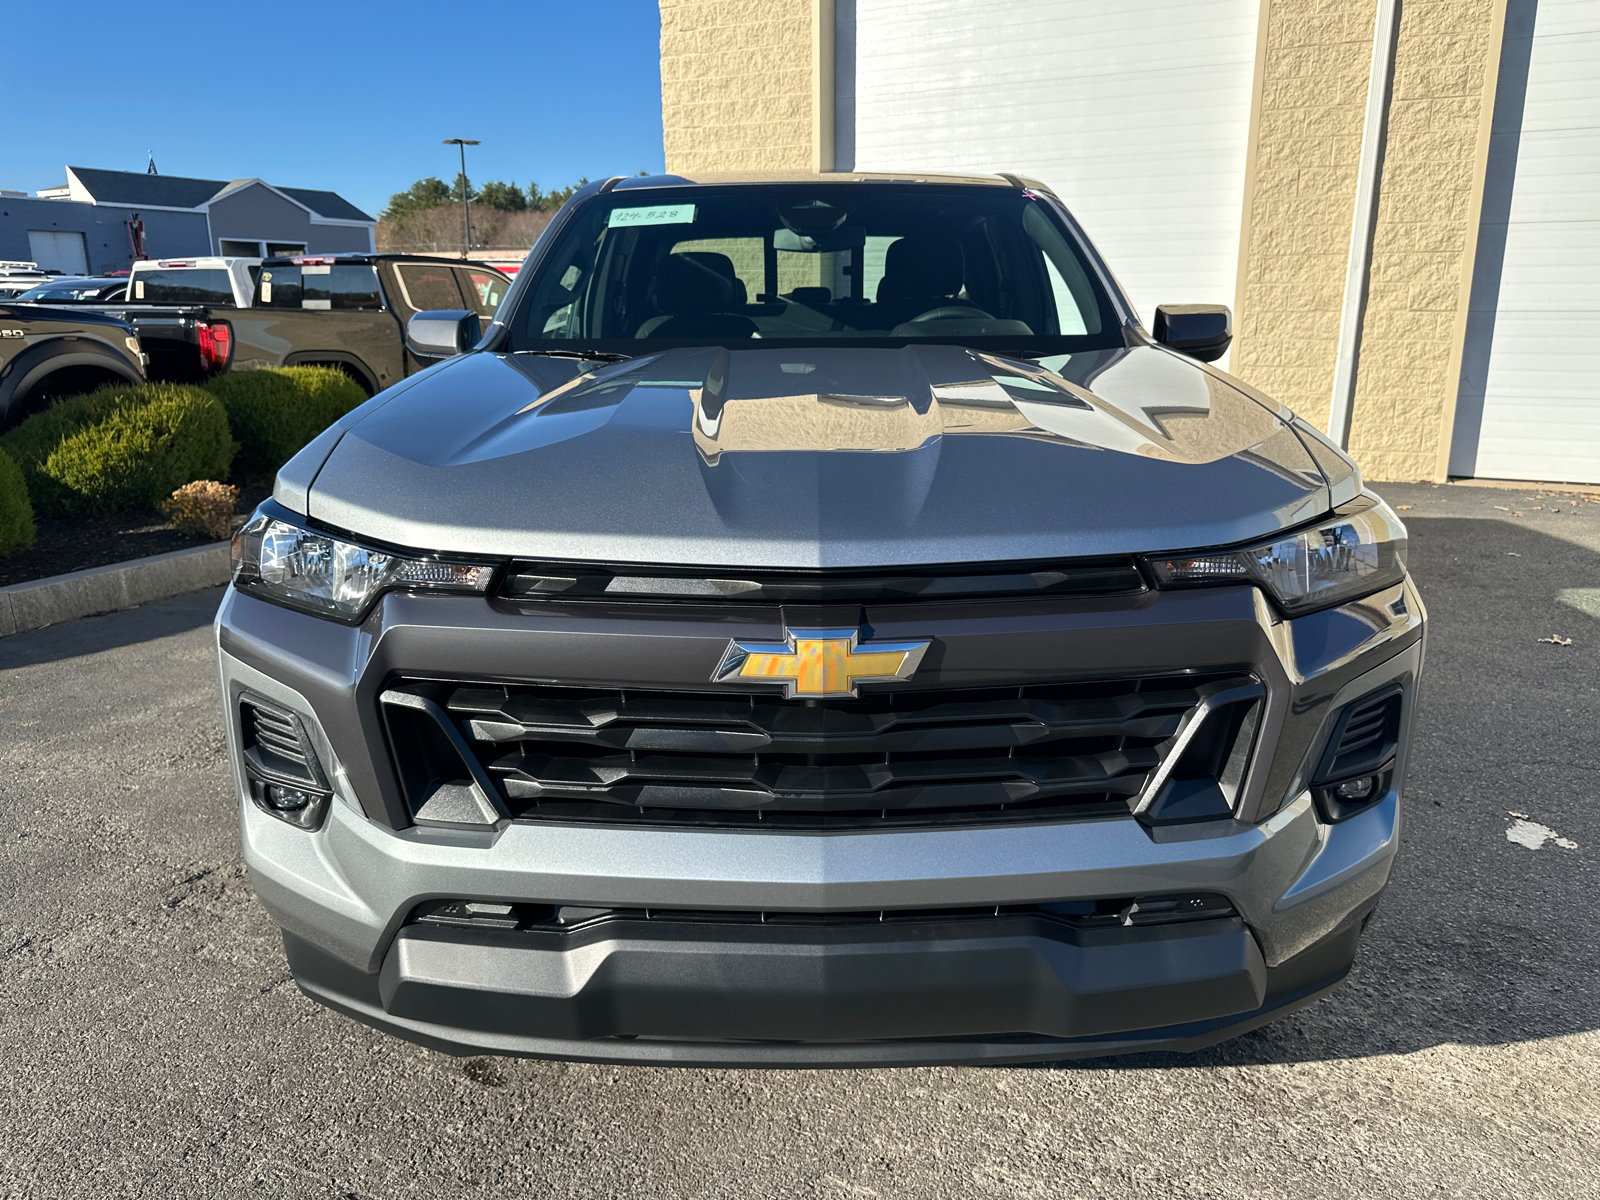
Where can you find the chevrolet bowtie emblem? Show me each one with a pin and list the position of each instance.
(820, 662)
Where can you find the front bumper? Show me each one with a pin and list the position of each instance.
(921, 993)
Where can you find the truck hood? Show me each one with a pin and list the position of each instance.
(836, 457)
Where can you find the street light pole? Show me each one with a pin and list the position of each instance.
(466, 219)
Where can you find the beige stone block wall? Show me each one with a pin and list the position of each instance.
(1428, 209)
(1313, 60)
(736, 85)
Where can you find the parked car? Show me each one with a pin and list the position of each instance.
(75, 289)
(346, 310)
(49, 353)
(18, 277)
(820, 624)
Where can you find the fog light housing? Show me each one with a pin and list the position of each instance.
(300, 807)
(1355, 790)
(288, 799)
(282, 770)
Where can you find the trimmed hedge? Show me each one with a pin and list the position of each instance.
(275, 412)
(121, 449)
(17, 530)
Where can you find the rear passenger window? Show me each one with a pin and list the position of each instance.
(342, 286)
(426, 287)
(184, 286)
(485, 289)
(279, 287)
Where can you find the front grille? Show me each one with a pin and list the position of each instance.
(1104, 912)
(587, 581)
(757, 760)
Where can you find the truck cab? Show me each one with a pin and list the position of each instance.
(351, 310)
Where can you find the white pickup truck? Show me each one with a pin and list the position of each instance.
(223, 282)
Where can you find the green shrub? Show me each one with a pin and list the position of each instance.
(121, 448)
(275, 412)
(16, 511)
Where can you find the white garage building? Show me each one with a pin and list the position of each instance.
(1400, 198)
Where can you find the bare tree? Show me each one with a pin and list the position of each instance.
(438, 230)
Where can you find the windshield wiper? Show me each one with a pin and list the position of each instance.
(605, 356)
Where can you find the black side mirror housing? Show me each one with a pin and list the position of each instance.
(1202, 331)
(443, 333)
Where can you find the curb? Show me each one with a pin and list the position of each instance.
(41, 602)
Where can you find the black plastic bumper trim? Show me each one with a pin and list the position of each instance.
(734, 1001)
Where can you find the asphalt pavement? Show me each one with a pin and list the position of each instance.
(152, 1043)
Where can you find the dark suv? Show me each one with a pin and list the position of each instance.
(819, 623)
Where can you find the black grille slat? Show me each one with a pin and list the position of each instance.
(545, 581)
(655, 725)
(274, 744)
(906, 757)
(819, 788)
(1365, 738)
(278, 735)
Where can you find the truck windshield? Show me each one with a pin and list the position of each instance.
(94, 289)
(184, 285)
(859, 263)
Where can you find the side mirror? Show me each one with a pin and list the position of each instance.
(443, 333)
(1202, 331)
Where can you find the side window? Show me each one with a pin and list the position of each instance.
(279, 287)
(1077, 310)
(343, 286)
(742, 260)
(1069, 316)
(874, 256)
(353, 286)
(426, 287)
(484, 289)
(553, 307)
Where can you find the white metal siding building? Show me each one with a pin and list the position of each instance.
(1530, 400)
(1136, 114)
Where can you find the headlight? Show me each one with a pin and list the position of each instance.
(1341, 559)
(330, 577)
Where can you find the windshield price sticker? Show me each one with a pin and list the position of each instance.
(661, 214)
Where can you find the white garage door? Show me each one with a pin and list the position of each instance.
(55, 250)
(1137, 114)
(1530, 399)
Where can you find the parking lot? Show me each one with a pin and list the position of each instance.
(154, 1044)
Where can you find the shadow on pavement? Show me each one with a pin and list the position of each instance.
(1478, 940)
(90, 635)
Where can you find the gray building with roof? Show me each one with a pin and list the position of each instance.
(82, 226)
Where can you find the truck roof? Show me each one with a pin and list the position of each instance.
(1004, 179)
(364, 256)
(210, 262)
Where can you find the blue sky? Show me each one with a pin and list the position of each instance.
(349, 96)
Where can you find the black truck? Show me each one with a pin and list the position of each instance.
(47, 353)
(347, 311)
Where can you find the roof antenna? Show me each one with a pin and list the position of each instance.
(151, 169)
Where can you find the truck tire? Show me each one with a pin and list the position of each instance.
(45, 373)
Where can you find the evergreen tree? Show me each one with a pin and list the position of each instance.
(507, 197)
(550, 201)
(419, 197)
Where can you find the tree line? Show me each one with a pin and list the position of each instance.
(426, 217)
(433, 192)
